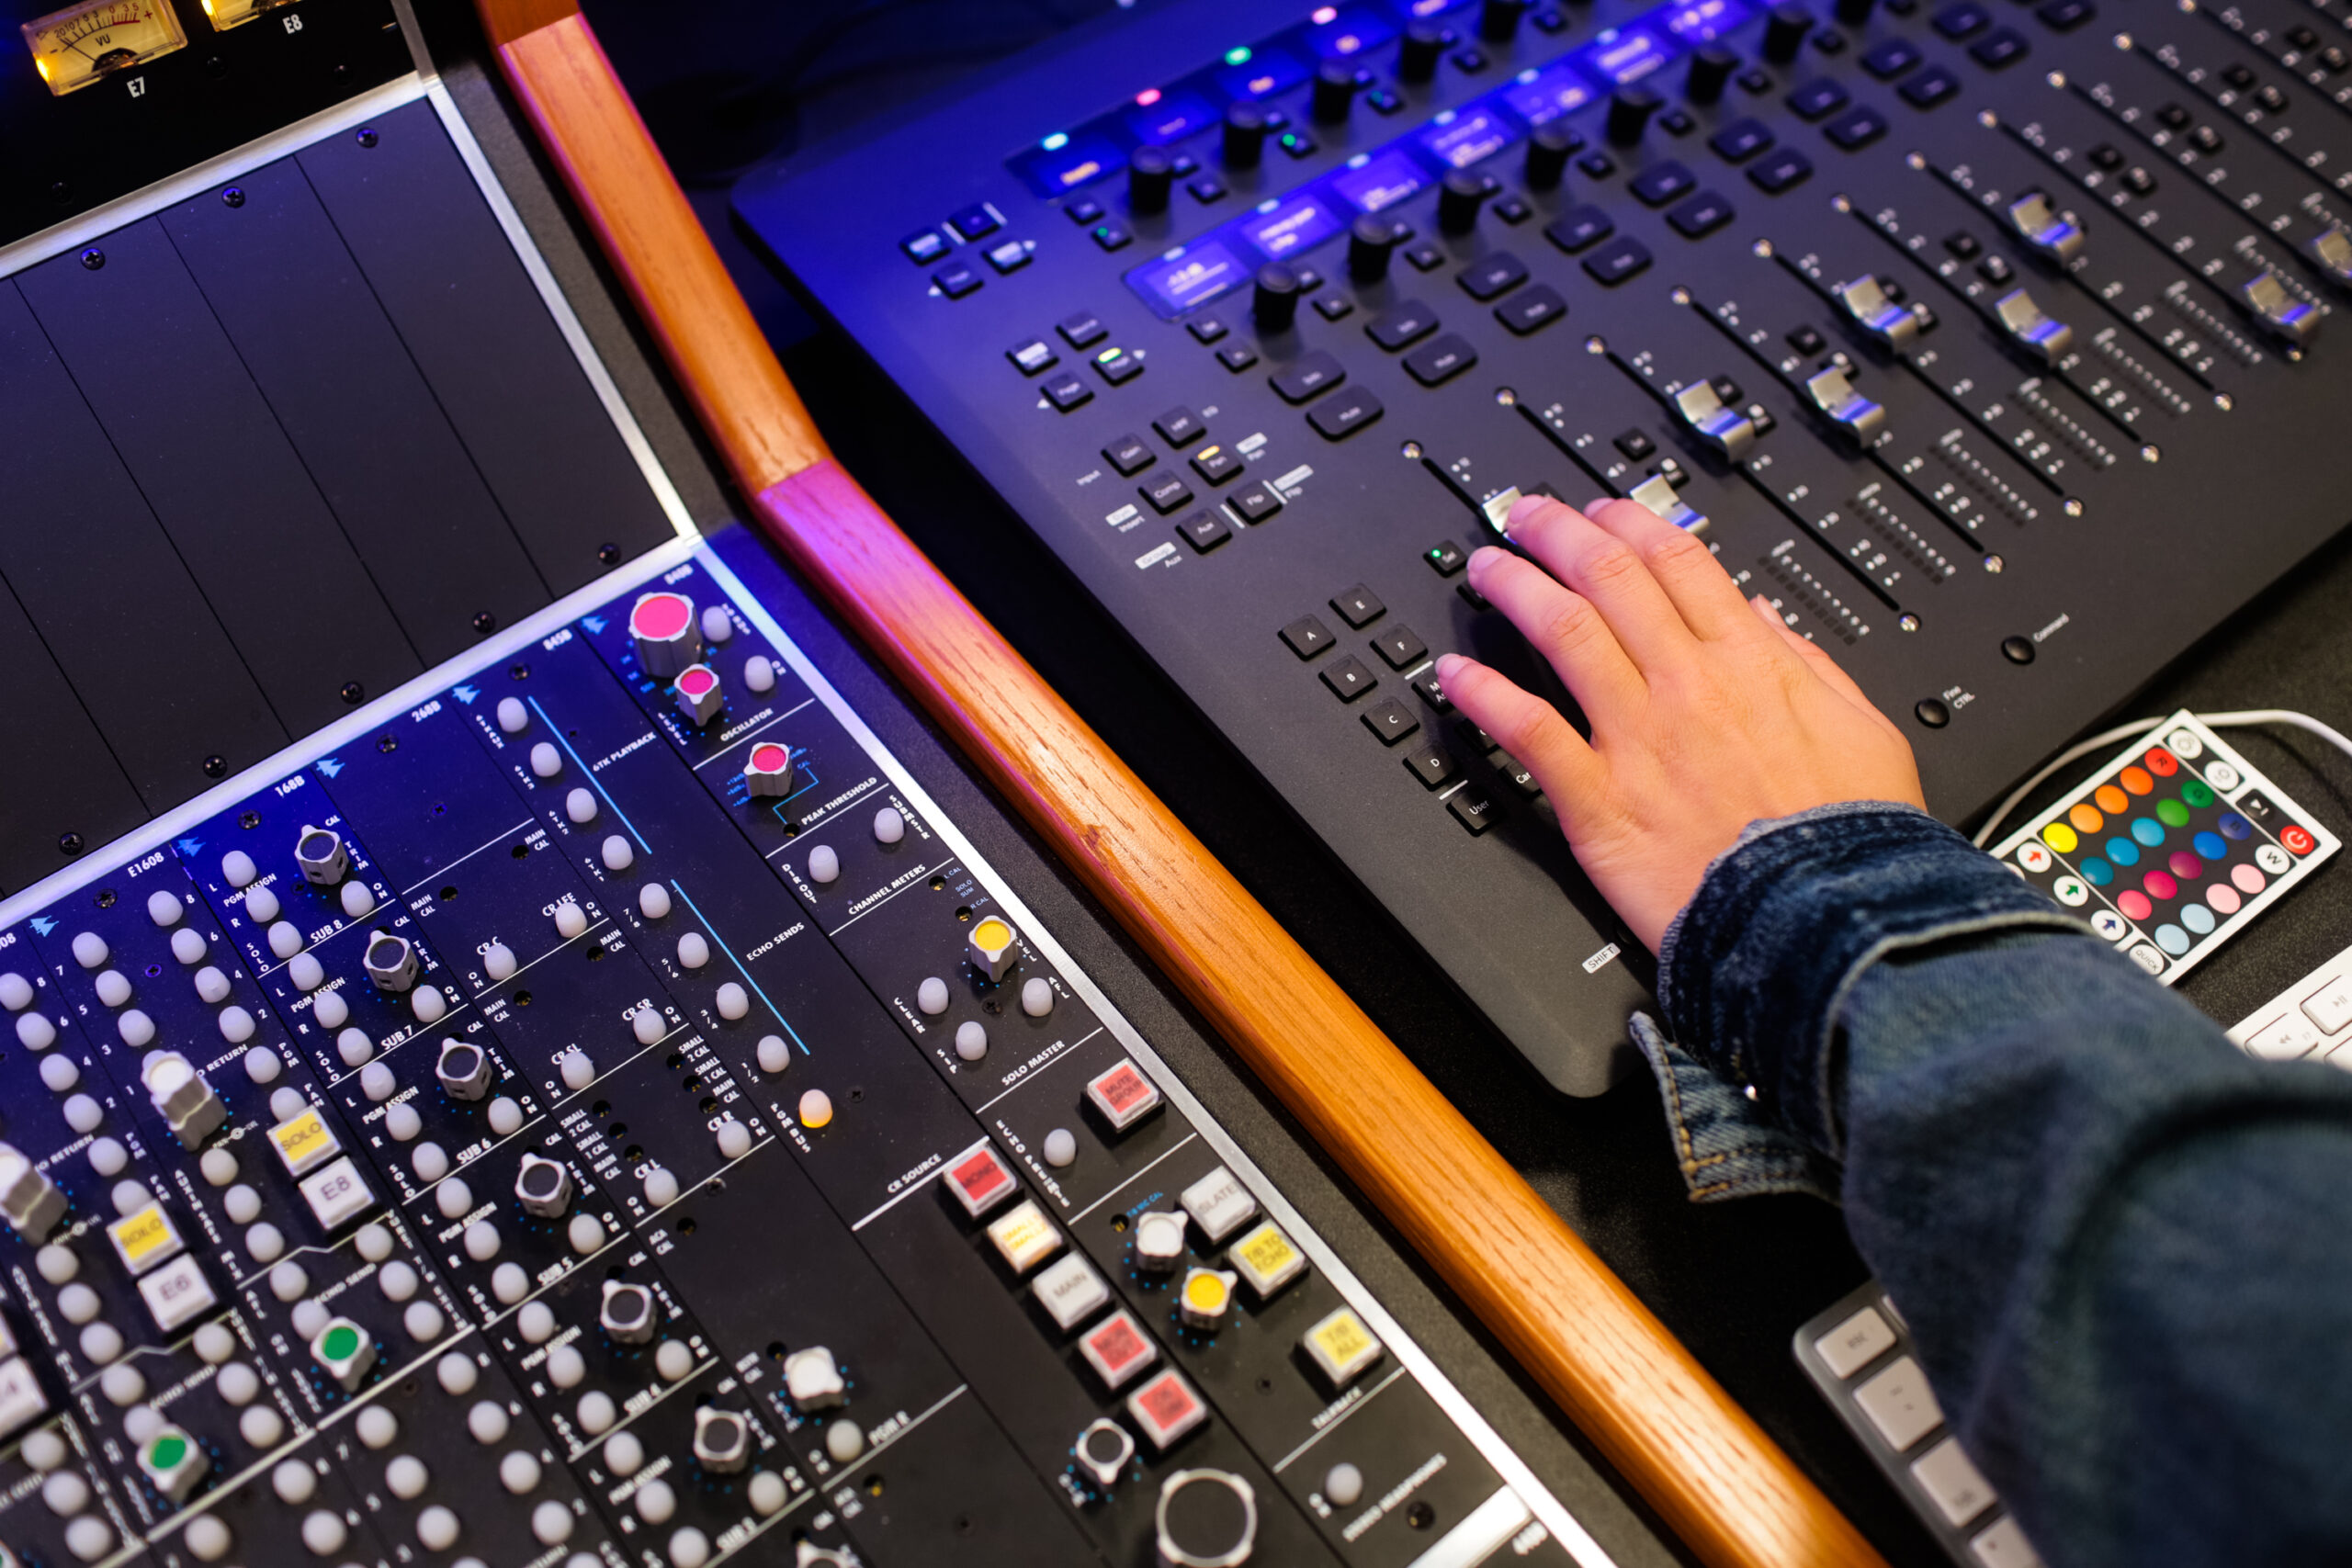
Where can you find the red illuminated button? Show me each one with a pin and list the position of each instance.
(979, 1179)
(2161, 762)
(2298, 839)
(1124, 1096)
(1165, 1409)
(697, 690)
(662, 628)
(768, 769)
(1117, 1349)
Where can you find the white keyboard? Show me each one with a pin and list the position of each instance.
(2311, 1018)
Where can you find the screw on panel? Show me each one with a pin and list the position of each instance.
(353, 694)
(69, 843)
(216, 766)
(232, 196)
(94, 258)
(485, 623)
(608, 553)
(367, 136)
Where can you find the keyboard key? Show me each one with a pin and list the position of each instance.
(1636, 445)
(1530, 309)
(1205, 531)
(1237, 356)
(1307, 636)
(1401, 647)
(2065, 16)
(1855, 1343)
(1128, 455)
(1998, 49)
(1206, 188)
(1082, 331)
(1493, 275)
(1474, 738)
(1359, 606)
(1617, 261)
(1083, 211)
(1033, 355)
(1510, 209)
(972, 221)
(956, 280)
(1314, 373)
(1432, 690)
(1216, 465)
(1953, 1483)
(1475, 808)
(1166, 492)
(1180, 427)
(924, 247)
(1337, 417)
(1929, 88)
(1334, 306)
(1580, 229)
(1891, 58)
(1516, 774)
(1066, 391)
(1348, 678)
(1425, 256)
(1442, 360)
(1661, 183)
(2004, 1545)
(1701, 215)
(1401, 324)
(1857, 128)
(1740, 140)
(1817, 99)
(2331, 1007)
(1112, 236)
(1445, 558)
(1205, 329)
(1899, 1403)
(1597, 166)
(1389, 719)
(1778, 170)
(1961, 19)
(1430, 763)
(1010, 256)
(1117, 367)
(1255, 502)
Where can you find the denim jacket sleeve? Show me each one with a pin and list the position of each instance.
(2124, 1248)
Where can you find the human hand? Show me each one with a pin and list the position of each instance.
(1707, 713)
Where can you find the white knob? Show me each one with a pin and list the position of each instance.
(824, 865)
(693, 950)
(164, 909)
(357, 900)
(578, 1071)
(16, 992)
(716, 625)
(759, 675)
(648, 1025)
(113, 988)
(497, 960)
(237, 868)
(513, 717)
(580, 806)
(89, 949)
(654, 901)
(545, 761)
(971, 1040)
(889, 827)
(187, 946)
(617, 853)
(261, 905)
(931, 996)
(571, 920)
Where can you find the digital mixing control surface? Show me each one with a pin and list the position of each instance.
(1979, 337)
(590, 1107)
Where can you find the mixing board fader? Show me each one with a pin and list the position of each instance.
(593, 1108)
(1950, 327)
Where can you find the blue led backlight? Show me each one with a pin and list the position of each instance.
(1057, 142)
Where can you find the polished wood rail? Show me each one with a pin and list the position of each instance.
(1706, 1467)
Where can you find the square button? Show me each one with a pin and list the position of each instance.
(1891, 59)
(1740, 140)
(1070, 1292)
(1083, 211)
(1128, 455)
(1237, 356)
(1440, 360)
(1359, 606)
(1430, 763)
(1219, 1204)
(1166, 492)
(1023, 1237)
(1807, 341)
(1511, 209)
(924, 247)
(1597, 166)
(1117, 367)
(1165, 1409)
(1492, 276)
(1112, 236)
(2065, 16)
(1778, 170)
(1206, 188)
(1532, 308)
(1857, 128)
(1335, 419)
(1515, 774)
(1306, 637)
(1066, 391)
(1701, 215)
(1899, 1403)
(1205, 531)
(1432, 690)
(1661, 183)
(1348, 678)
(1117, 1349)
(1855, 1343)
(1390, 720)
(1382, 101)
(1010, 256)
(1425, 257)
(1255, 502)
(1180, 427)
(1445, 558)
(1334, 306)
(1401, 324)
(1122, 1095)
(1205, 329)
(1033, 356)
(1929, 88)
(1961, 19)
(978, 1180)
(1678, 122)
(1313, 373)
(972, 221)
(956, 280)
(1473, 737)
(1473, 598)
(1216, 465)
(1817, 99)
(1341, 1348)
(1620, 259)
(1999, 49)
(1083, 329)
(1580, 229)
(1266, 1259)
(1474, 809)
(1401, 647)
(1755, 82)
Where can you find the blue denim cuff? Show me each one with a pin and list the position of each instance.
(1723, 1147)
(1753, 972)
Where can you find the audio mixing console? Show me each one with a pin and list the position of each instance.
(1981, 337)
(498, 1063)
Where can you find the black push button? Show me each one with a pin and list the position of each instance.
(1998, 49)
(1389, 719)
(1430, 762)
(1701, 215)
(1857, 128)
(1636, 445)
(1205, 329)
(1929, 88)
(1402, 324)
(1442, 360)
(1180, 427)
(1432, 690)
(1817, 99)
(1445, 558)
(1425, 256)
(1237, 356)
(1112, 236)
(1334, 306)
(1528, 308)
(1515, 774)
(1474, 809)
(1661, 183)
(1891, 58)
(1312, 374)
(1348, 678)
(1359, 606)
(1033, 356)
(1931, 711)
(1473, 737)
(1493, 276)
(1083, 211)
(924, 247)
(1307, 637)
(1256, 503)
(2065, 16)
(1166, 492)
(956, 280)
(1580, 229)
(1617, 261)
(1010, 256)
(1400, 646)
(1807, 341)
(1995, 269)
(1205, 531)
(972, 221)
(1597, 166)
(1065, 391)
(1961, 19)
(1128, 455)
(1337, 417)
(2017, 650)
(1216, 465)
(1740, 140)
(1083, 329)
(1778, 170)
(1117, 367)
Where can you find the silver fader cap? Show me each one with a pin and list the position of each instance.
(29, 1199)
(2333, 251)
(391, 961)
(1865, 301)
(697, 694)
(628, 1313)
(543, 1187)
(1853, 413)
(768, 769)
(182, 1097)
(661, 626)
(1725, 429)
(2275, 306)
(464, 1070)
(2039, 224)
(2032, 329)
(1657, 493)
(722, 1440)
(320, 853)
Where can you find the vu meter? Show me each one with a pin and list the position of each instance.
(82, 44)
(226, 14)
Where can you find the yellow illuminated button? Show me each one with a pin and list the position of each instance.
(1206, 1293)
(2060, 837)
(816, 1109)
(144, 1239)
(1266, 1259)
(83, 44)
(1342, 1346)
(993, 951)
(1024, 1237)
(304, 1142)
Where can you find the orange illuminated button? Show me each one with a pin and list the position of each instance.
(2136, 780)
(2111, 799)
(697, 694)
(662, 627)
(768, 769)
(2086, 818)
(979, 1179)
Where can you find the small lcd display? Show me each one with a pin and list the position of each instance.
(1172, 116)
(1547, 94)
(1467, 137)
(1176, 284)
(1383, 180)
(1625, 57)
(1295, 225)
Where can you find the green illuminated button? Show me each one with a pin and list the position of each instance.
(2172, 813)
(2195, 793)
(173, 1462)
(345, 1350)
